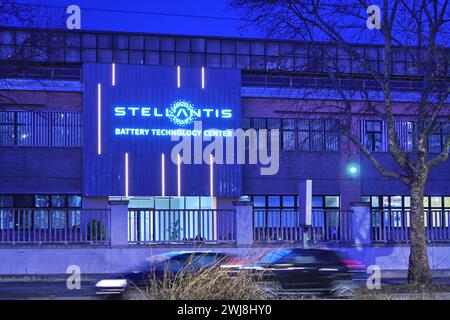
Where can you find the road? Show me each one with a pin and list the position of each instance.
(59, 290)
(53, 291)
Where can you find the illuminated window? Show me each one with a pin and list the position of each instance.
(447, 202)
(436, 202)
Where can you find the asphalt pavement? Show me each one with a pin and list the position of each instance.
(59, 290)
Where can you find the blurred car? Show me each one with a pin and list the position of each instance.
(159, 266)
(304, 270)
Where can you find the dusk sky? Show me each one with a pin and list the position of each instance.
(199, 17)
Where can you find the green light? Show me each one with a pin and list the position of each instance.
(352, 170)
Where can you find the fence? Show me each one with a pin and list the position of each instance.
(284, 225)
(43, 225)
(394, 225)
(181, 226)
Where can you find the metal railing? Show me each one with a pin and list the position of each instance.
(284, 225)
(313, 81)
(19, 70)
(41, 129)
(183, 226)
(44, 225)
(393, 225)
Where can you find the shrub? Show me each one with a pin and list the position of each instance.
(212, 283)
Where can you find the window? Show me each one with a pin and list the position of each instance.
(136, 42)
(167, 44)
(40, 129)
(104, 56)
(228, 46)
(212, 46)
(213, 60)
(436, 202)
(274, 202)
(183, 45)
(167, 59)
(447, 202)
(438, 136)
(288, 134)
(325, 211)
(104, 41)
(120, 42)
(74, 201)
(325, 202)
(301, 134)
(373, 135)
(257, 54)
(40, 201)
(394, 211)
(406, 134)
(197, 59)
(403, 203)
(89, 41)
(198, 45)
(288, 201)
(331, 201)
(8, 128)
(152, 43)
(120, 56)
(160, 203)
(259, 201)
(243, 47)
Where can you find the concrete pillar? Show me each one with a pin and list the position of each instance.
(305, 206)
(305, 202)
(119, 222)
(360, 220)
(244, 222)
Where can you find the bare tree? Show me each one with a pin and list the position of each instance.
(420, 29)
(27, 48)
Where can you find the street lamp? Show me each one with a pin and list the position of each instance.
(353, 170)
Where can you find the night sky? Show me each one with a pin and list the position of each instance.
(198, 17)
(203, 18)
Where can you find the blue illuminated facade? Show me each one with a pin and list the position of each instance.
(140, 110)
(95, 118)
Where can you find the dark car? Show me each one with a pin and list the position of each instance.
(305, 270)
(159, 266)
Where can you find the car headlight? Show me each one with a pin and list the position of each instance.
(112, 283)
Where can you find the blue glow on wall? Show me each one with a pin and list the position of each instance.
(140, 113)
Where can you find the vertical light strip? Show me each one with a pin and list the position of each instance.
(163, 176)
(126, 175)
(178, 77)
(99, 119)
(179, 174)
(211, 175)
(203, 77)
(113, 74)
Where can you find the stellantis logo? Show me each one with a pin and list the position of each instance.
(181, 112)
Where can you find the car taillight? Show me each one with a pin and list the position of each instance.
(233, 261)
(353, 264)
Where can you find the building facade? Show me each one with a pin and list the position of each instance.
(86, 120)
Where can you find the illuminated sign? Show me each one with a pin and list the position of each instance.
(132, 112)
(172, 132)
(181, 112)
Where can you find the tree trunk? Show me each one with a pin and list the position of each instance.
(419, 272)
